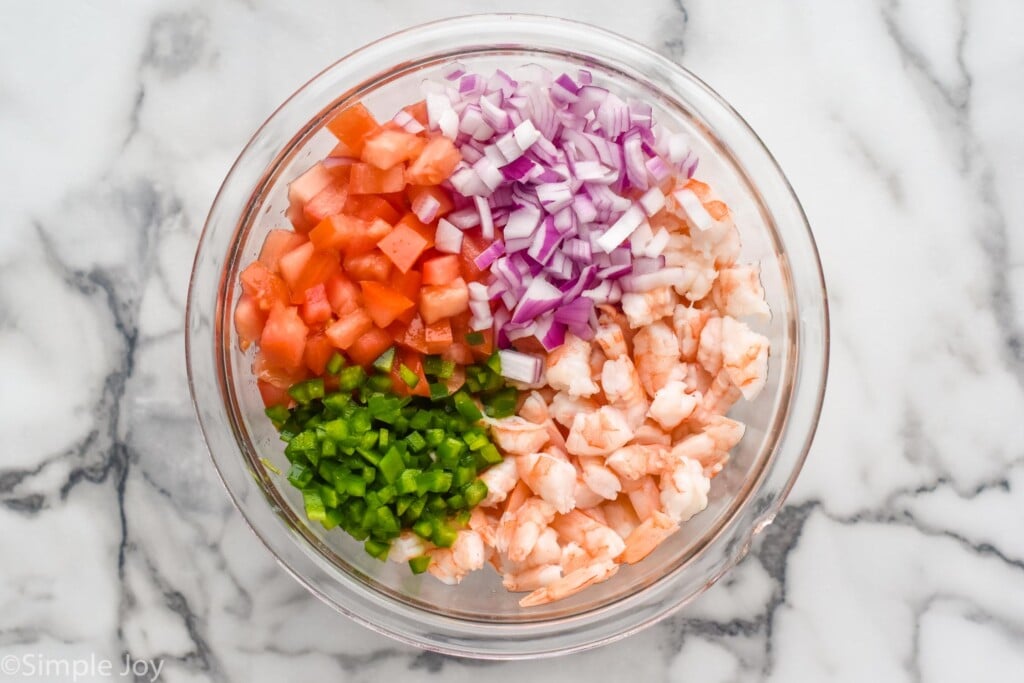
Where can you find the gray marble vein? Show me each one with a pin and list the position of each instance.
(900, 555)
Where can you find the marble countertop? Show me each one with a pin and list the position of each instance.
(900, 554)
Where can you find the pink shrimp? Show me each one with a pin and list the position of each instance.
(656, 350)
(551, 476)
(647, 536)
(571, 583)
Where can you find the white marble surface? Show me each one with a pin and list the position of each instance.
(900, 556)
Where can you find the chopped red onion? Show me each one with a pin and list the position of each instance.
(652, 201)
(486, 219)
(464, 219)
(448, 238)
(486, 257)
(426, 206)
(521, 367)
(620, 231)
(656, 247)
(696, 215)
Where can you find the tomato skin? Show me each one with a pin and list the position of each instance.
(403, 246)
(366, 179)
(386, 148)
(345, 331)
(412, 336)
(372, 266)
(249, 321)
(328, 202)
(369, 207)
(414, 362)
(350, 235)
(383, 303)
(435, 163)
(266, 288)
(284, 338)
(352, 126)
(368, 347)
(319, 350)
(277, 243)
(443, 301)
(305, 267)
(441, 270)
(342, 294)
(316, 308)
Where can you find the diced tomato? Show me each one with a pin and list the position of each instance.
(407, 284)
(328, 202)
(266, 288)
(441, 270)
(418, 110)
(352, 126)
(319, 350)
(350, 235)
(443, 301)
(717, 210)
(414, 362)
(412, 336)
(484, 350)
(344, 332)
(387, 148)
(275, 375)
(372, 266)
(369, 346)
(316, 308)
(403, 246)
(461, 328)
(369, 207)
(398, 201)
(435, 163)
(366, 179)
(343, 294)
(284, 337)
(457, 352)
(249, 320)
(271, 395)
(455, 382)
(309, 184)
(425, 231)
(473, 244)
(383, 303)
(277, 243)
(304, 267)
(422, 192)
(341, 151)
(438, 336)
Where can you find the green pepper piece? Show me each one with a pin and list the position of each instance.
(385, 361)
(463, 475)
(494, 363)
(277, 414)
(329, 496)
(435, 481)
(377, 549)
(332, 518)
(391, 465)
(387, 494)
(475, 338)
(490, 455)
(434, 437)
(379, 383)
(432, 365)
(475, 440)
(415, 509)
(336, 430)
(474, 493)
(351, 378)
(407, 481)
(314, 504)
(449, 450)
(410, 378)
(502, 403)
(424, 528)
(443, 536)
(350, 484)
(420, 420)
(418, 565)
(335, 364)
(299, 475)
(456, 502)
(386, 520)
(466, 406)
(328, 449)
(336, 401)
(383, 437)
(416, 442)
(438, 391)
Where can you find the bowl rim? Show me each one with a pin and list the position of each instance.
(525, 21)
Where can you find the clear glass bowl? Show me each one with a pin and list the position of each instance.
(479, 618)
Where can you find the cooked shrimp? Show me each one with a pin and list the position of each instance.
(546, 551)
(620, 382)
(744, 357)
(620, 516)
(651, 433)
(531, 579)
(684, 490)
(738, 292)
(598, 478)
(535, 409)
(644, 496)
(710, 447)
(484, 524)
(597, 539)
(698, 267)
(643, 308)
(672, 405)
(571, 583)
(646, 537)
(709, 350)
(613, 315)
(519, 531)
(584, 495)
(573, 557)
(598, 433)
(656, 351)
(466, 555)
(720, 395)
(688, 322)
(500, 480)
(611, 340)
(564, 408)
(551, 476)
(568, 367)
(407, 546)
(636, 460)
(517, 436)
(694, 376)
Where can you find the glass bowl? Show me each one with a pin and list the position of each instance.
(479, 618)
